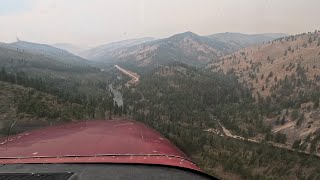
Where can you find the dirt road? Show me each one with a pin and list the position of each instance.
(134, 76)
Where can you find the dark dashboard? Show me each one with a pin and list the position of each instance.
(96, 172)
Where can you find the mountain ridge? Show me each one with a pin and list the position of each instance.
(186, 47)
(239, 40)
(47, 51)
(98, 52)
(76, 50)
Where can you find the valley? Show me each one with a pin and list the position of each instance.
(191, 126)
(117, 96)
(238, 105)
(229, 89)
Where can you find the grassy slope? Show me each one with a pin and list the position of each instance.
(270, 57)
(281, 57)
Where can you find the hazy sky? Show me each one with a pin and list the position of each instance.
(94, 22)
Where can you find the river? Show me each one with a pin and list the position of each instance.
(117, 95)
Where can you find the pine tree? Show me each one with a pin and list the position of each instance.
(316, 103)
(310, 40)
(296, 144)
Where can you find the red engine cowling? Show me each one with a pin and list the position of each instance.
(105, 141)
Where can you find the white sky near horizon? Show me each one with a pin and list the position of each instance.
(93, 22)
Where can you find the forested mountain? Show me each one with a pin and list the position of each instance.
(102, 52)
(73, 77)
(45, 51)
(38, 101)
(238, 41)
(283, 76)
(182, 102)
(42, 90)
(35, 64)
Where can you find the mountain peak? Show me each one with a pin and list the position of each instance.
(188, 33)
(181, 36)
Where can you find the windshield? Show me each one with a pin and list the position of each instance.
(232, 87)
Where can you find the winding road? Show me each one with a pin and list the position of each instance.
(134, 76)
(227, 133)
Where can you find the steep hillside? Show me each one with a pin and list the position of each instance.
(281, 57)
(74, 83)
(47, 51)
(186, 47)
(103, 51)
(40, 90)
(32, 108)
(238, 41)
(284, 78)
(37, 101)
(35, 64)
